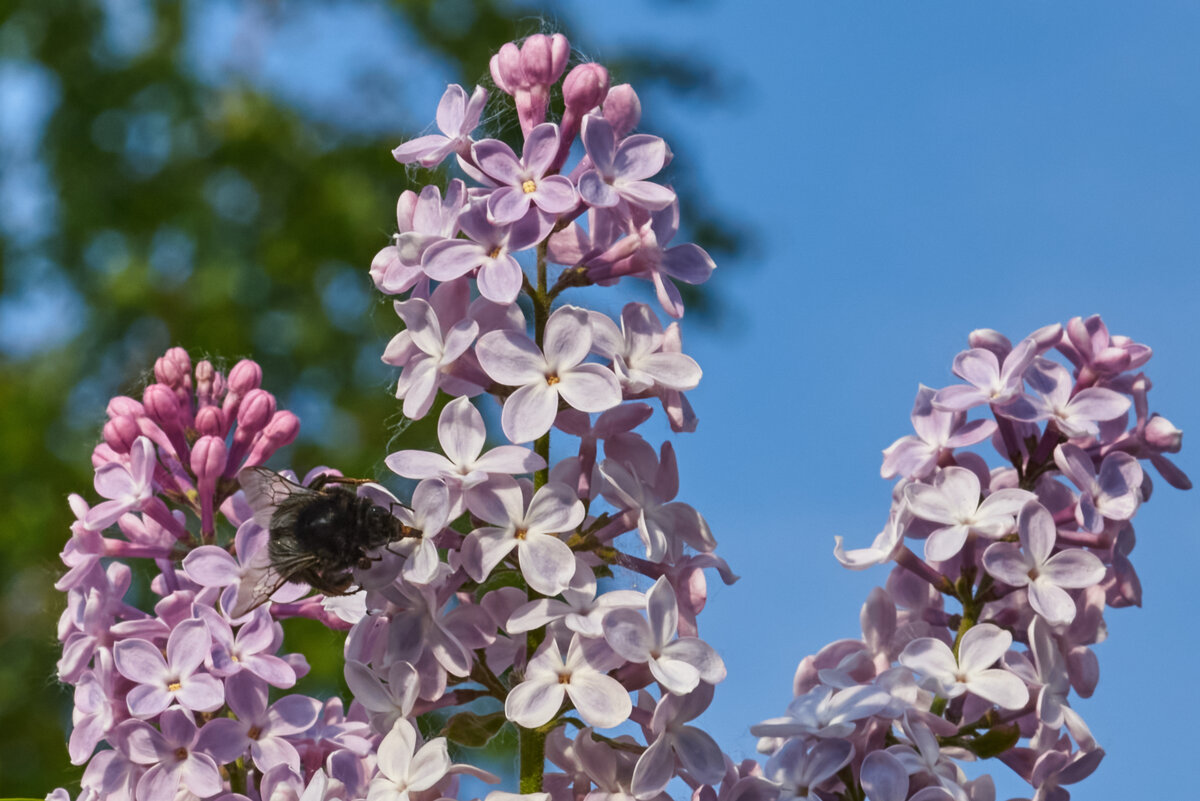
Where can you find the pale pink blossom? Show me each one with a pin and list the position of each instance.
(550, 679)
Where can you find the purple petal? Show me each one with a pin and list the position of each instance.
(532, 703)
(541, 147)
(1000, 687)
(646, 194)
(450, 258)
(546, 563)
(497, 160)
(555, 195)
(628, 634)
(202, 693)
(688, 263)
(601, 700)
(508, 204)
(139, 661)
(529, 412)
(639, 156)
(590, 388)
(499, 280)
(568, 337)
(596, 192)
(982, 646)
(1005, 561)
(600, 142)
(417, 464)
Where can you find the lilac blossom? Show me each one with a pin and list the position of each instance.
(462, 435)
(527, 525)
(434, 348)
(179, 755)
(987, 380)
(161, 682)
(488, 249)
(938, 432)
(127, 486)
(544, 376)
(457, 117)
(421, 221)
(1074, 413)
(550, 679)
(636, 351)
(619, 171)
(971, 670)
(1033, 565)
(798, 770)
(953, 501)
(679, 664)
(263, 730)
(522, 182)
(1113, 494)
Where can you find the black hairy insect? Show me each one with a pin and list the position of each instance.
(316, 535)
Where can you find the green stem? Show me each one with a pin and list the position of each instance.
(532, 742)
(533, 759)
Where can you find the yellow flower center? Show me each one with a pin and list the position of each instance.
(529, 186)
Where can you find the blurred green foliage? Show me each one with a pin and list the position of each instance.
(166, 202)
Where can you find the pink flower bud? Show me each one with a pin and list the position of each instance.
(543, 58)
(622, 109)
(255, 412)
(161, 406)
(120, 432)
(208, 458)
(1162, 435)
(210, 421)
(245, 376)
(585, 88)
(208, 462)
(206, 382)
(282, 429)
(122, 406)
(174, 368)
(505, 67)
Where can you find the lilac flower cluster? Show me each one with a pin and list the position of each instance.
(500, 591)
(1030, 552)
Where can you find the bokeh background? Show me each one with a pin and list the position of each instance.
(874, 180)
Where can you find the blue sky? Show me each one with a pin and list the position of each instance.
(913, 171)
(916, 171)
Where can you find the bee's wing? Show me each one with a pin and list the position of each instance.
(262, 579)
(265, 490)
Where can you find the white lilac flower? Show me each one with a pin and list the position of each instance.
(987, 381)
(971, 671)
(938, 431)
(529, 526)
(1034, 565)
(403, 769)
(678, 664)
(1112, 494)
(953, 501)
(542, 377)
(797, 771)
(1075, 415)
(549, 679)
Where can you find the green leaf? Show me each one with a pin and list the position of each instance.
(995, 741)
(474, 731)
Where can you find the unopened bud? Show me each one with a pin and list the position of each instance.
(174, 368)
(161, 406)
(255, 411)
(210, 421)
(245, 376)
(120, 432)
(543, 58)
(622, 109)
(282, 429)
(505, 67)
(990, 340)
(206, 386)
(1111, 361)
(585, 88)
(208, 458)
(1162, 435)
